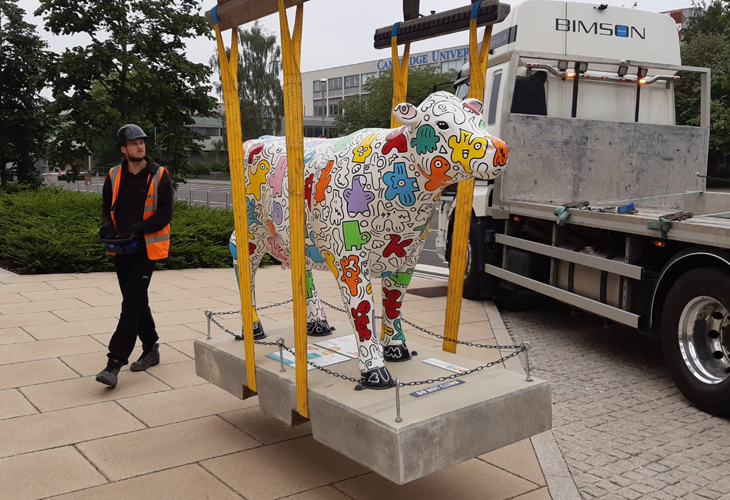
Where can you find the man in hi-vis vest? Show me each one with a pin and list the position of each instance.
(136, 211)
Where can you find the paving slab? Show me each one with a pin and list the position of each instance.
(34, 318)
(146, 451)
(190, 482)
(53, 294)
(66, 329)
(14, 335)
(283, 469)
(471, 480)
(41, 305)
(46, 473)
(13, 404)
(86, 390)
(324, 493)
(13, 298)
(265, 429)
(64, 427)
(31, 351)
(34, 372)
(518, 458)
(180, 404)
(75, 315)
(93, 363)
(177, 375)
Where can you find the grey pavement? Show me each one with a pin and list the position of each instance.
(166, 433)
(625, 430)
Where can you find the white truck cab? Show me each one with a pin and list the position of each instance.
(601, 205)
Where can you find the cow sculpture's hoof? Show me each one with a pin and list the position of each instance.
(258, 331)
(377, 378)
(396, 353)
(319, 328)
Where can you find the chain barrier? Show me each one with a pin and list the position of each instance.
(723, 180)
(428, 332)
(524, 347)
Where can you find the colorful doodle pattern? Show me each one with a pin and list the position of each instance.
(369, 201)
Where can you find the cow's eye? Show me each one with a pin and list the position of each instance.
(442, 125)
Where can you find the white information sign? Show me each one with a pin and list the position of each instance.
(316, 354)
(445, 365)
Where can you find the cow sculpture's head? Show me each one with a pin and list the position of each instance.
(449, 132)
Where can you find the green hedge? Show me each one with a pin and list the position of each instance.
(56, 231)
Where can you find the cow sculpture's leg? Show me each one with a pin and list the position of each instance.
(317, 325)
(256, 253)
(392, 338)
(357, 295)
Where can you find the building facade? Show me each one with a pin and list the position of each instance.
(323, 90)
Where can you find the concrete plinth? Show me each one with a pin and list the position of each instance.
(484, 411)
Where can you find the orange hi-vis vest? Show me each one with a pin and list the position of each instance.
(158, 243)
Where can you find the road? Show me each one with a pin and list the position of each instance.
(217, 194)
(625, 430)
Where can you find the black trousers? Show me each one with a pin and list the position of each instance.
(134, 272)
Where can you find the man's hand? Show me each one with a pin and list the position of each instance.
(129, 232)
(107, 232)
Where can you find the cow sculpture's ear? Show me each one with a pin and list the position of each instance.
(406, 113)
(474, 104)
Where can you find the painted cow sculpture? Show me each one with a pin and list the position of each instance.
(369, 198)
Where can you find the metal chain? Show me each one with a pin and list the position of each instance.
(468, 372)
(420, 328)
(269, 306)
(723, 180)
(518, 349)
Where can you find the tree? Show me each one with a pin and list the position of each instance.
(23, 120)
(374, 109)
(133, 70)
(707, 44)
(259, 88)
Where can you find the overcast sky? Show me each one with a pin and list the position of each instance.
(340, 32)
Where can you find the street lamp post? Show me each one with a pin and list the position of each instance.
(323, 81)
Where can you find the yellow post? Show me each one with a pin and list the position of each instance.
(293, 111)
(478, 61)
(238, 186)
(400, 73)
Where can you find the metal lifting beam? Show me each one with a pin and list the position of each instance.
(442, 23)
(234, 13)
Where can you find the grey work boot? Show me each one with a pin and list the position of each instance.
(147, 359)
(109, 375)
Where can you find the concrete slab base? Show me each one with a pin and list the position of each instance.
(484, 411)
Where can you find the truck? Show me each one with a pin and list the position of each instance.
(603, 204)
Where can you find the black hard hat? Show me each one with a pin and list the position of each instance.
(128, 133)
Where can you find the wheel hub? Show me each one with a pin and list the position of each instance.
(704, 339)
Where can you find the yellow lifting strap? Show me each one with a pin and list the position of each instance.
(400, 73)
(229, 70)
(478, 61)
(291, 46)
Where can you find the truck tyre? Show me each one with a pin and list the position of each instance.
(695, 332)
(472, 272)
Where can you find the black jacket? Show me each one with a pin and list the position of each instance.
(131, 199)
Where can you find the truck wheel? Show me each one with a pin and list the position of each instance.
(472, 273)
(695, 332)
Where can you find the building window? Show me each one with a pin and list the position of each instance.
(454, 65)
(335, 83)
(367, 76)
(333, 108)
(317, 107)
(352, 81)
(318, 86)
